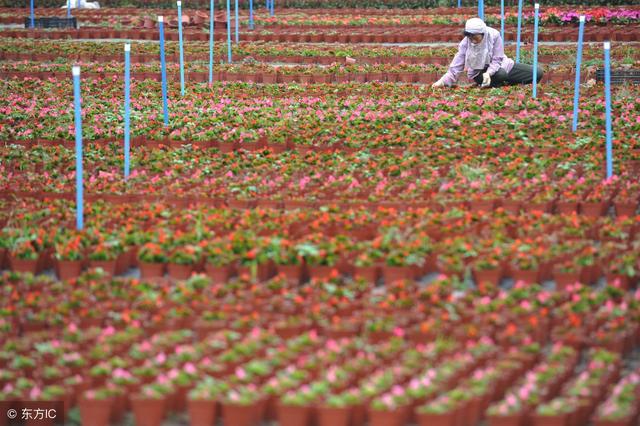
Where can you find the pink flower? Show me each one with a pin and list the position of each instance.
(35, 393)
(189, 368)
(397, 390)
(163, 380)
(240, 373)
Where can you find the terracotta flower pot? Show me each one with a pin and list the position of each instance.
(567, 207)
(179, 272)
(443, 419)
(218, 274)
(95, 412)
(329, 416)
(490, 276)
(148, 411)
(240, 415)
(21, 265)
(367, 273)
(108, 266)
(69, 269)
(388, 418)
(564, 279)
(293, 415)
(397, 273)
(507, 420)
(594, 209)
(202, 412)
(557, 420)
(151, 270)
(321, 272)
(528, 276)
(626, 208)
(293, 273)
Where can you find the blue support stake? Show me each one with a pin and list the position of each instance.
(229, 31)
(481, 9)
(32, 23)
(535, 51)
(519, 31)
(502, 19)
(127, 112)
(607, 102)
(236, 23)
(251, 23)
(68, 8)
(273, 7)
(211, 24)
(163, 66)
(179, 3)
(268, 5)
(576, 92)
(459, 3)
(75, 71)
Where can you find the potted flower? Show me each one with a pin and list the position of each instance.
(219, 261)
(242, 406)
(509, 411)
(556, 412)
(152, 260)
(390, 408)
(96, 406)
(202, 401)
(107, 254)
(445, 410)
(69, 253)
(295, 407)
(338, 409)
(150, 404)
(183, 260)
(23, 256)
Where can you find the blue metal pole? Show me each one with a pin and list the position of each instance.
(127, 112)
(236, 21)
(459, 5)
(607, 100)
(535, 51)
(576, 93)
(251, 23)
(481, 9)
(273, 7)
(68, 8)
(75, 71)
(268, 5)
(519, 31)
(229, 31)
(502, 19)
(163, 66)
(211, 24)
(31, 15)
(179, 3)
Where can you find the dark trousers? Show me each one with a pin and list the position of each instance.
(519, 74)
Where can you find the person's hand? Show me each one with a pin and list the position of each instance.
(439, 83)
(486, 80)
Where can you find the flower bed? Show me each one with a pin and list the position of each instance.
(129, 350)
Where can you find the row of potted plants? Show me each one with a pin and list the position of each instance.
(517, 119)
(109, 357)
(486, 247)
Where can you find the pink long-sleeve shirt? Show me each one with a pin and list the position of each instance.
(498, 58)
